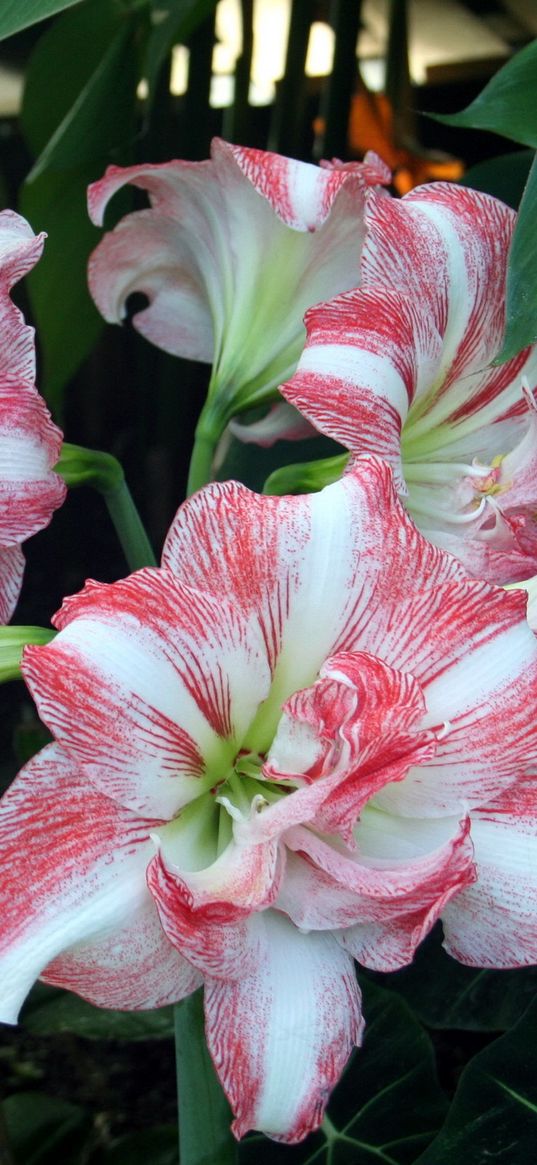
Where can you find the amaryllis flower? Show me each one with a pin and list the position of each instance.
(230, 254)
(298, 742)
(403, 367)
(29, 442)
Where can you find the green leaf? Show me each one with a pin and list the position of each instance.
(493, 1116)
(504, 176)
(62, 64)
(49, 1010)
(95, 130)
(444, 994)
(504, 105)
(175, 23)
(43, 1131)
(96, 122)
(388, 1104)
(68, 323)
(521, 305)
(18, 14)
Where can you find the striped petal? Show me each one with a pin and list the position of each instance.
(494, 922)
(73, 875)
(402, 366)
(150, 686)
(392, 886)
(281, 1035)
(320, 573)
(11, 572)
(215, 241)
(29, 446)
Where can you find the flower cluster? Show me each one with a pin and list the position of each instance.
(311, 732)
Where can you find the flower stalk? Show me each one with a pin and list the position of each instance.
(204, 1113)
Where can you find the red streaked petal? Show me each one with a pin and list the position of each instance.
(73, 868)
(301, 195)
(321, 573)
(11, 572)
(20, 250)
(134, 968)
(364, 360)
(150, 686)
(29, 446)
(494, 922)
(281, 1035)
(394, 884)
(476, 660)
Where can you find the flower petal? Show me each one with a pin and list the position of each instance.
(281, 1035)
(321, 573)
(11, 572)
(282, 423)
(150, 686)
(29, 446)
(216, 240)
(494, 922)
(73, 870)
(20, 250)
(391, 889)
(476, 659)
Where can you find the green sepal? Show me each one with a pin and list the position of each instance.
(307, 477)
(13, 640)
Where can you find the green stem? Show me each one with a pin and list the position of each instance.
(204, 1115)
(211, 425)
(129, 527)
(102, 471)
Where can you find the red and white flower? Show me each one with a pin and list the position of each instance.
(403, 367)
(230, 254)
(294, 744)
(29, 442)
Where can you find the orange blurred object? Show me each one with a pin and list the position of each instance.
(372, 127)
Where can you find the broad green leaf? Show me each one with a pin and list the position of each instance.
(444, 994)
(68, 323)
(96, 130)
(504, 176)
(388, 1104)
(505, 106)
(62, 64)
(521, 305)
(44, 1131)
(18, 14)
(95, 123)
(493, 1116)
(49, 1010)
(175, 21)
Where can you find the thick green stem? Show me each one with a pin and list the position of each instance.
(211, 425)
(129, 527)
(204, 1114)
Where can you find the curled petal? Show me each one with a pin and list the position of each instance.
(391, 888)
(281, 1035)
(282, 423)
(214, 241)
